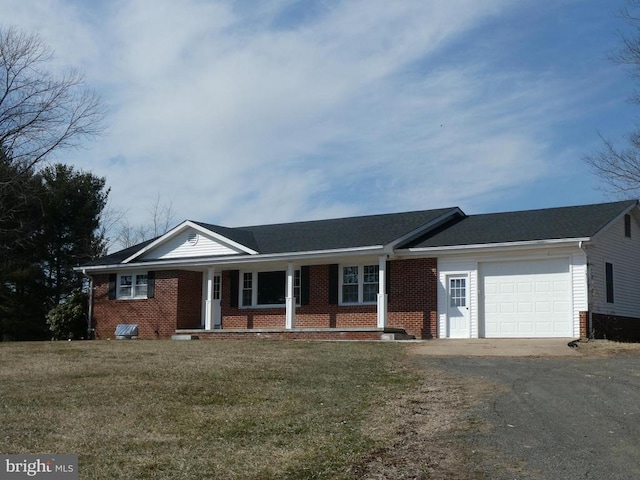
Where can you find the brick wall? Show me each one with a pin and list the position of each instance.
(176, 304)
(413, 297)
(412, 303)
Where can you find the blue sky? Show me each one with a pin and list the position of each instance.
(240, 113)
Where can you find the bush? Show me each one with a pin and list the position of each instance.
(68, 320)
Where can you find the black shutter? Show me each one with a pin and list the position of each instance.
(387, 275)
(113, 278)
(151, 284)
(304, 285)
(333, 284)
(234, 279)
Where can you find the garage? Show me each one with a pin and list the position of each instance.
(526, 299)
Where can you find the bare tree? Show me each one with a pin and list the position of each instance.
(619, 168)
(40, 112)
(161, 220)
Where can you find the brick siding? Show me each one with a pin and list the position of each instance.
(412, 305)
(176, 304)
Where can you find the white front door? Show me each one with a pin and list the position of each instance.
(458, 321)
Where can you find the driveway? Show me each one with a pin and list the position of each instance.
(551, 417)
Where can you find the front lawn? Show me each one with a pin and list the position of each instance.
(205, 409)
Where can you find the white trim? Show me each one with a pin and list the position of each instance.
(255, 284)
(488, 246)
(205, 262)
(134, 276)
(360, 266)
(180, 228)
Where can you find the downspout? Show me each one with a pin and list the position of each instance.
(582, 247)
(90, 316)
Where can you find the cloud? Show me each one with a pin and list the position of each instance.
(297, 110)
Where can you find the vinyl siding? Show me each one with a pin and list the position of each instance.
(611, 246)
(455, 264)
(579, 286)
(179, 246)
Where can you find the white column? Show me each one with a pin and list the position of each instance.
(208, 303)
(290, 299)
(382, 289)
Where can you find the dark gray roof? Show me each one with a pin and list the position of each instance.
(372, 230)
(551, 223)
(331, 234)
(120, 255)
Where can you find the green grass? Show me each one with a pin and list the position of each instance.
(205, 409)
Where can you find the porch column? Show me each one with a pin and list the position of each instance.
(290, 299)
(208, 302)
(382, 291)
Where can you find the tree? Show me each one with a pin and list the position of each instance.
(161, 215)
(619, 168)
(72, 203)
(40, 112)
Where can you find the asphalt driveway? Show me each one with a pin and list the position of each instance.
(552, 418)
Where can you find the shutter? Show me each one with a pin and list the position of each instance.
(234, 280)
(333, 284)
(387, 275)
(113, 278)
(304, 285)
(151, 284)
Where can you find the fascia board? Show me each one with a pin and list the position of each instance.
(182, 227)
(492, 246)
(226, 260)
(424, 228)
(627, 210)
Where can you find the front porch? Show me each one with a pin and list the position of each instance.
(296, 334)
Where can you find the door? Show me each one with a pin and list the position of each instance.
(458, 320)
(525, 299)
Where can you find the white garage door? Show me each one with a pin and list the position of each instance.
(526, 299)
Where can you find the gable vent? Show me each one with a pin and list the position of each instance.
(192, 238)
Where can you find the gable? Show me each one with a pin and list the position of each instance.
(190, 243)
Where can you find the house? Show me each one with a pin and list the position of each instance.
(561, 272)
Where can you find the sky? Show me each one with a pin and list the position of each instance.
(242, 112)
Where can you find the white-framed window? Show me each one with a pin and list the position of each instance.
(132, 285)
(267, 288)
(216, 287)
(359, 284)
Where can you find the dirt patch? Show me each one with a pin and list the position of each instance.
(427, 429)
(606, 348)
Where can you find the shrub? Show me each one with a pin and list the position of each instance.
(68, 320)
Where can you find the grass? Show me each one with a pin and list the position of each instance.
(206, 409)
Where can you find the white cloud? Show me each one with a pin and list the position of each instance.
(265, 115)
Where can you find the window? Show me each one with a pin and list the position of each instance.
(627, 225)
(133, 285)
(268, 288)
(271, 288)
(247, 289)
(360, 284)
(608, 275)
(216, 287)
(458, 292)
